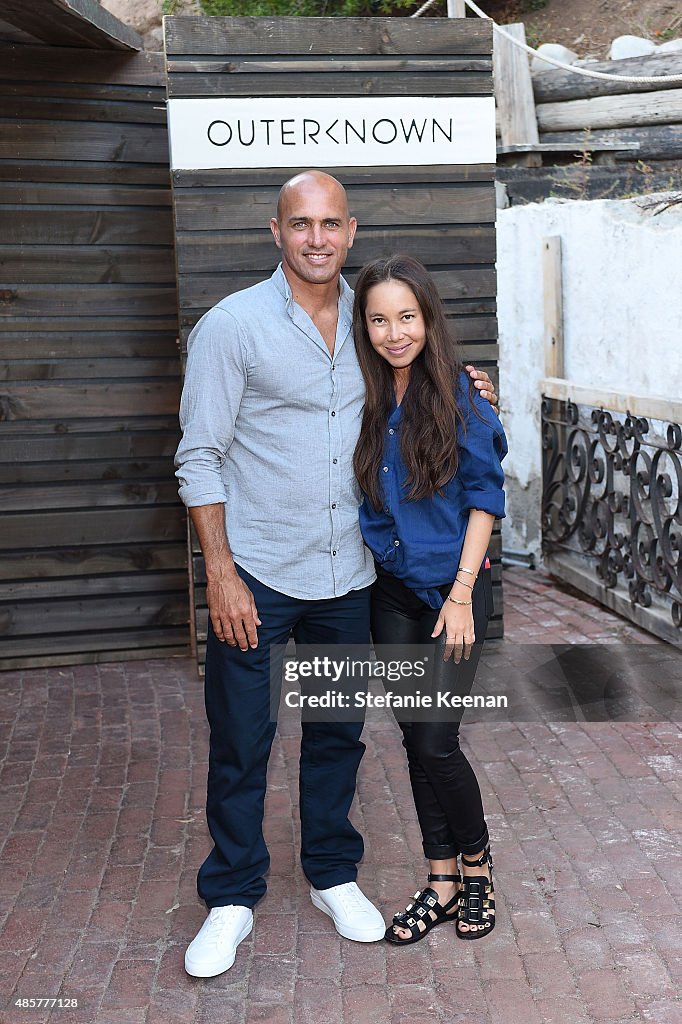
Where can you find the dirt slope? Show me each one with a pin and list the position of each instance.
(588, 26)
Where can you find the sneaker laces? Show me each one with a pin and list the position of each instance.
(350, 896)
(219, 917)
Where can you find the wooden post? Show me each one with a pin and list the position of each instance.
(514, 93)
(553, 306)
(457, 9)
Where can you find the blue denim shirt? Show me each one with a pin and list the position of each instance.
(270, 421)
(420, 542)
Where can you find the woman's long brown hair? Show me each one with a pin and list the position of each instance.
(429, 411)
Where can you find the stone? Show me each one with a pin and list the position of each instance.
(672, 46)
(630, 46)
(556, 51)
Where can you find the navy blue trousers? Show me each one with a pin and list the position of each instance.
(237, 695)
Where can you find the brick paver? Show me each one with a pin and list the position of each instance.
(103, 826)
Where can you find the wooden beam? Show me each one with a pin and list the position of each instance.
(78, 23)
(654, 142)
(554, 85)
(348, 36)
(611, 111)
(656, 407)
(553, 306)
(56, 64)
(578, 146)
(514, 90)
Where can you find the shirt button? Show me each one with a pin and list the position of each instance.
(335, 461)
(391, 430)
(333, 552)
(333, 414)
(396, 543)
(385, 469)
(334, 505)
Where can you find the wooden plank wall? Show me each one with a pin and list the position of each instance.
(444, 215)
(93, 537)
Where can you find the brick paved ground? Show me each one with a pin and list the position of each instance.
(102, 813)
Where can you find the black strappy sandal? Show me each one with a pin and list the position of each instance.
(424, 913)
(476, 900)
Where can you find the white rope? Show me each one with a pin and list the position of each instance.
(424, 7)
(571, 67)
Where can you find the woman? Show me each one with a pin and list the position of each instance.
(428, 460)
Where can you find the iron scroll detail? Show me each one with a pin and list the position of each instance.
(612, 494)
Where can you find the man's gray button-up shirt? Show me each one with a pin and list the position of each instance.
(270, 421)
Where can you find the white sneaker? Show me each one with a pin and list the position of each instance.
(214, 948)
(353, 915)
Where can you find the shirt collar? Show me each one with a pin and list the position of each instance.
(395, 413)
(279, 279)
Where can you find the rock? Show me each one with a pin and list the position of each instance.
(672, 46)
(556, 51)
(630, 46)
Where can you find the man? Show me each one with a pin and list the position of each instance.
(271, 410)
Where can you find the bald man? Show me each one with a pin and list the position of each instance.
(271, 410)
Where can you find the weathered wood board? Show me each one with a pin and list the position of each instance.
(93, 538)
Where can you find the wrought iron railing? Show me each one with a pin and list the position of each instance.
(612, 504)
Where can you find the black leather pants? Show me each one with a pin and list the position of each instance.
(446, 792)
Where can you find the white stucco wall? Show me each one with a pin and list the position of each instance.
(622, 294)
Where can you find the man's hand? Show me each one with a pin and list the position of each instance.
(233, 611)
(483, 384)
(230, 602)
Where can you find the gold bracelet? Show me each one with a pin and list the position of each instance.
(463, 584)
(454, 601)
(470, 571)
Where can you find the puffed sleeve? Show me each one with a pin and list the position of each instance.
(215, 381)
(482, 447)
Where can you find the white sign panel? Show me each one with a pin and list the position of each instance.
(331, 132)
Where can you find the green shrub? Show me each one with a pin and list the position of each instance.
(308, 8)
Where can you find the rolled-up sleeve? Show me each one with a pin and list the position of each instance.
(215, 380)
(482, 447)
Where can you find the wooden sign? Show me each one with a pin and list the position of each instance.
(327, 132)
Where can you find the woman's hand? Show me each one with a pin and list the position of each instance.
(483, 383)
(458, 622)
